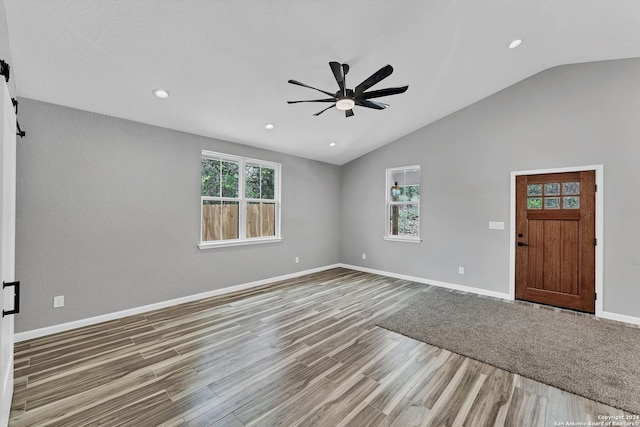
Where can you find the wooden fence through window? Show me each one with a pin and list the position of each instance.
(221, 222)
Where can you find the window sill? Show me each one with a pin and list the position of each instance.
(228, 243)
(403, 239)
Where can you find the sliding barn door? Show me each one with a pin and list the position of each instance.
(8, 298)
(555, 238)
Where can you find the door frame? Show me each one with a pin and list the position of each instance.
(599, 170)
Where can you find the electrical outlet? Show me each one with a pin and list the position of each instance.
(460, 270)
(297, 259)
(364, 256)
(58, 301)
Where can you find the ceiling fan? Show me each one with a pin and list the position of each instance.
(345, 99)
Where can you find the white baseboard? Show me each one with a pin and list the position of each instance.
(620, 317)
(457, 287)
(37, 333)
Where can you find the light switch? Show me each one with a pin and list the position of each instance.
(496, 225)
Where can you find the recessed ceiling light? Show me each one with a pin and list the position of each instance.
(161, 93)
(333, 144)
(269, 126)
(514, 44)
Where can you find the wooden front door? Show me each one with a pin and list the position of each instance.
(555, 239)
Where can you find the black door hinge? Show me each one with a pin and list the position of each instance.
(595, 296)
(595, 242)
(5, 70)
(595, 188)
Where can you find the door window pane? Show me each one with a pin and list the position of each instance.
(552, 202)
(552, 189)
(534, 203)
(571, 188)
(534, 190)
(571, 202)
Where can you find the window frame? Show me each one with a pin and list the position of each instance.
(243, 201)
(388, 203)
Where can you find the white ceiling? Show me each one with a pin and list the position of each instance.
(226, 63)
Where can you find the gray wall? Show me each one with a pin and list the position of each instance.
(108, 215)
(572, 115)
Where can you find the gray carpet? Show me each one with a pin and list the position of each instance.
(593, 358)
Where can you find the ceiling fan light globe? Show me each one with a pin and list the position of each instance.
(345, 104)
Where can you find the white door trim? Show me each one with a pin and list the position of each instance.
(599, 169)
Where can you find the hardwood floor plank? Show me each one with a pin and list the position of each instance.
(365, 416)
(274, 407)
(491, 405)
(527, 409)
(341, 402)
(397, 384)
(407, 413)
(456, 400)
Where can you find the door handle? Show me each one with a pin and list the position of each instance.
(522, 244)
(16, 298)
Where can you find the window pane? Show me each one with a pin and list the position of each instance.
(398, 177)
(261, 219)
(534, 202)
(210, 220)
(229, 179)
(411, 193)
(252, 181)
(210, 172)
(408, 220)
(552, 189)
(552, 202)
(570, 188)
(412, 177)
(267, 183)
(405, 220)
(571, 202)
(229, 219)
(219, 220)
(534, 190)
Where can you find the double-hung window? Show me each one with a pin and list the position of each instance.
(403, 204)
(240, 200)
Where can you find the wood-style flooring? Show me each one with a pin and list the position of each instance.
(305, 352)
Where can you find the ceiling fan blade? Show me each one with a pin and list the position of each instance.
(345, 69)
(313, 100)
(295, 82)
(371, 104)
(320, 112)
(348, 113)
(384, 92)
(336, 67)
(376, 77)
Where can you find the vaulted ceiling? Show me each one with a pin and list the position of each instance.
(226, 63)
